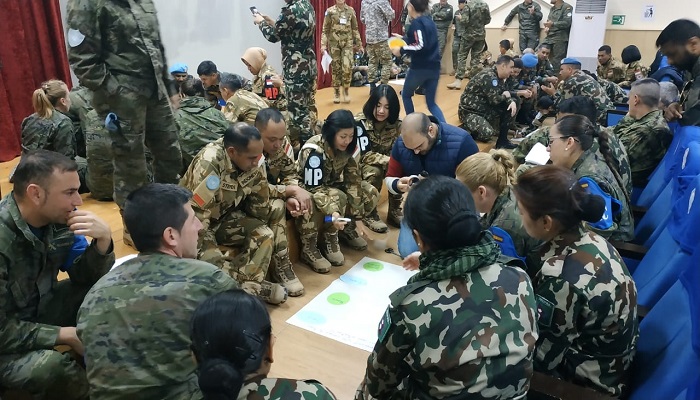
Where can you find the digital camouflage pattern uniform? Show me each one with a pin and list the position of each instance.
(115, 50)
(460, 27)
(98, 147)
(261, 388)
(529, 24)
(482, 106)
(295, 28)
(81, 104)
(243, 106)
(118, 326)
(377, 15)
(614, 91)
(442, 16)
(646, 141)
(340, 34)
(558, 35)
(34, 305)
(634, 71)
(199, 124)
(587, 305)
(469, 335)
(613, 71)
(475, 16)
(581, 84)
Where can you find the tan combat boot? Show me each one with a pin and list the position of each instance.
(336, 95)
(331, 249)
(282, 272)
(272, 293)
(374, 223)
(350, 237)
(311, 256)
(346, 95)
(456, 85)
(394, 214)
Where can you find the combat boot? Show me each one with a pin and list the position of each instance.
(374, 223)
(311, 256)
(456, 85)
(336, 95)
(346, 95)
(350, 237)
(283, 272)
(272, 293)
(394, 214)
(331, 249)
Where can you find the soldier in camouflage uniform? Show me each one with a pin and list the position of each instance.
(424, 348)
(341, 39)
(475, 16)
(586, 297)
(80, 105)
(36, 310)
(116, 51)
(529, 16)
(614, 91)
(609, 68)
(98, 147)
(198, 121)
(116, 322)
(459, 29)
(209, 75)
(232, 199)
(442, 13)
(377, 15)
(295, 28)
(242, 105)
(486, 62)
(267, 84)
(557, 28)
(332, 175)
(634, 69)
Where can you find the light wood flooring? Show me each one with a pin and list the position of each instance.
(299, 353)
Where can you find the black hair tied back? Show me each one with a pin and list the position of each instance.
(464, 226)
(219, 379)
(590, 207)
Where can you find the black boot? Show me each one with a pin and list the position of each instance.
(503, 142)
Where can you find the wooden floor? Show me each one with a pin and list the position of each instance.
(299, 353)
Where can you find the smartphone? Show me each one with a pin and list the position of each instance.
(254, 10)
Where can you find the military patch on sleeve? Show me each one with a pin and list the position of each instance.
(198, 200)
(545, 309)
(494, 82)
(568, 15)
(75, 37)
(213, 182)
(384, 325)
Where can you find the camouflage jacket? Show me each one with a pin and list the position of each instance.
(340, 170)
(118, 313)
(81, 104)
(690, 98)
(529, 23)
(588, 312)
(614, 91)
(117, 44)
(561, 18)
(54, 133)
(376, 15)
(213, 93)
(593, 166)
(544, 69)
(261, 388)
(475, 16)
(425, 350)
(281, 170)
(646, 140)
(295, 28)
(461, 22)
(29, 266)
(258, 87)
(580, 84)
(537, 136)
(379, 138)
(243, 106)
(199, 124)
(634, 71)
(442, 15)
(483, 94)
(613, 71)
(340, 28)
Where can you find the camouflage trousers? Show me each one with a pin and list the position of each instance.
(528, 40)
(558, 53)
(341, 66)
(374, 168)
(47, 373)
(442, 38)
(302, 110)
(469, 46)
(145, 122)
(313, 221)
(250, 237)
(456, 45)
(278, 223)
(379, 56)
(83, 174)
(483, 129)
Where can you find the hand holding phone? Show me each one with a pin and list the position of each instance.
(254, 10)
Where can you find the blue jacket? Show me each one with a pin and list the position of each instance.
(422, 44)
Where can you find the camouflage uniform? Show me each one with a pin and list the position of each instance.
(537, 136)
(295, 28)
(81, 104)
(614, 91)
(613, 71)
(377, 15)
(486, 63)
(243, 106)
(580, 84)
(213, 93)
(588, 312)
(646, 141)
(261, 388)
(475, 16)
(460, 28)
(425, 350)
(558, 35)
(118, 327)
(690, 98)
(116, 51)
(98, 147)
(482, 106)
(543, 70)
(529, 29)
(34, 305)
(375, 148)
(199, 124)
(258, 87)
(442, 16)
(340, 34)
(634, 71)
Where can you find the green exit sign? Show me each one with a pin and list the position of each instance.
(618, 19)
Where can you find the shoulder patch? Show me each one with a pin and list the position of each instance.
(213, 182)
(314, 161)
(75, 37)
(384, 325)
(545, 309)
(494, 82)
(568, 15)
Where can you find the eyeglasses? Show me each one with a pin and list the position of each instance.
(549, 139)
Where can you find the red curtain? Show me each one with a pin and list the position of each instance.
(320, 6)
(32, 50)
